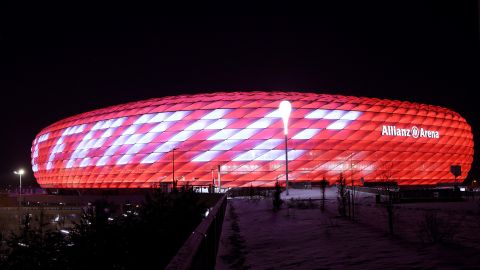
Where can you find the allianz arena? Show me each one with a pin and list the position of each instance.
(187, 138)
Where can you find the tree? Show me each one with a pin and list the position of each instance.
(388, 188)
(105, 238)
(34, 248)
(277, 201)
(323, 185)
(342, 195)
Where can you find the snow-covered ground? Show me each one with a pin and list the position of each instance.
(256, 237)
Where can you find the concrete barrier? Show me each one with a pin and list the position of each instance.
(200, 249)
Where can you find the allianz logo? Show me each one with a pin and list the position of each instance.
(414, 132)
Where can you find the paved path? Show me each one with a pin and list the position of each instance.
(255, 237)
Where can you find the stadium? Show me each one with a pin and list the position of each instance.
(237, 139)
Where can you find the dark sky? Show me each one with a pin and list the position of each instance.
(55, 64)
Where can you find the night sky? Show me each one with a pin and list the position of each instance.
(57, 64)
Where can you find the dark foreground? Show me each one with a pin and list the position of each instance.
(301, 236)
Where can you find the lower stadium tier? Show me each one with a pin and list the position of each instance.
(190, 138)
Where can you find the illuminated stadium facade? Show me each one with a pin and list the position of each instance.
(187, 138)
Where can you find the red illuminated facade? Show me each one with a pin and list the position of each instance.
(136, 145)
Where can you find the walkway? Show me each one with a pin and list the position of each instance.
(255, 237)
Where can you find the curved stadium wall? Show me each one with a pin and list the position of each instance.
(136, 145)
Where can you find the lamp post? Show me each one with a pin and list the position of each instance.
(353, 187)
(20, 173)
(173, 169)
(213, 182)
(219, 176)
(285, 109)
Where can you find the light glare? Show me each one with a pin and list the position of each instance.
(285, 109)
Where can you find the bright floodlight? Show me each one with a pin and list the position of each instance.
(19, 173)
(285, 109)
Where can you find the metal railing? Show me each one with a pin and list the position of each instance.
(200, 249)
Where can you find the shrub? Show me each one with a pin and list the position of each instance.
(435, 229)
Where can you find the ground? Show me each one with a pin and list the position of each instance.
(301, 236)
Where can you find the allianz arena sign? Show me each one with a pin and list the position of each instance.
(413, 132)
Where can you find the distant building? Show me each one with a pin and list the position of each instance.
(147, 143)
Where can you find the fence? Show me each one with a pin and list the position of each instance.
(419, 194)
(200, 250)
